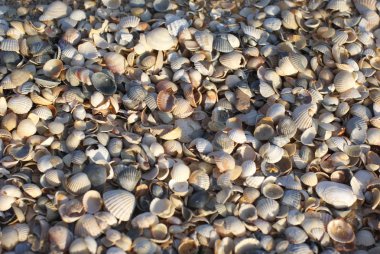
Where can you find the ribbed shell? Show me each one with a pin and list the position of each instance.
(344, 81)
(115, 62)
(10, 45)
(182, 108)
(26, 128)
(222, 44)
(180, 172)
(20, 104)
(177, 26)
(340, 231)
(295, 235)
(199, 179)
(54, 10)
(129, 178)
(87, 226)
(120, 203)
(78, 183)
(303, 116)
(129, 22)
(267, 209)
(32, 190)
(232, 60)
(204, 39)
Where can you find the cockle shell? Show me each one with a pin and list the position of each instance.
(232, 60)
(159, 39)
(344, 81)
(336, 194)
(340, 231)
(20, 104)
(55, 10)
(119, 203)
(115, 62)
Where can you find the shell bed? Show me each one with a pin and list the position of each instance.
(190, 127)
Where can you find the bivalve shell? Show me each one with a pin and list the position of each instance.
(159, 39)
(120, 203)
(336, 194)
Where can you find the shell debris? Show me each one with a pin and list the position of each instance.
(172, 126)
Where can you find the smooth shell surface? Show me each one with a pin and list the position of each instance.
(159, 39)
(336, 194)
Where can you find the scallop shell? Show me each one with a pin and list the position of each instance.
(166, 101)
(87, 225)
(119, 203)
(78, 183)
(295, 235)
(115, 62)
(129, 22)
(103, 83)
(128, 178)
(344, 81)
(55, 10)
(10, 45)
(267, 209)
(303, 116)
(199, 180)
(26, 128)
(180, 172)
(336, 194)
(159, 39)
(20, 104)
(204, 39)
(340, 231)
(222, 44)
(232, 60)
(112, 4)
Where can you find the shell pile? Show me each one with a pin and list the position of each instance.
(173, 126)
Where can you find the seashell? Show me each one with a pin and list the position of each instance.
(272, 191)
(9, 238)
(10, 45)
(20, 104)
(103, 83)
(55, 10)
(111, 4)
(309, 179)
(299, 61)
(340, 231)
(80, 245)
(92, 201)
(166, 101)
(115, 62)
(60, 238)
(78, 15)
(129, 22)
(246, 245)
(373, 135)
(161, 207)
(267, 209)
(303, 116)
(271, 153)
(287, 127)
(199, 180)
(365, 5)
(232, 60)
(26, 128)
(204, 39)
(87, 225)
(161, 5)
(32, 190)
(78, 183)
(6, 202)
(145, 220)
(272, 24)
(71, 210)
(223, 161)
(188, 246)
(222, 44)
(295, 235)
(247, 213)
(182, 108)
(285, 67)
(364, 238)
(159, 39)
(119, 203)
(128, 178)
(336, 194)
(43, 112)
(344, 81)
(289, 20)
(53, 68)
(295, 217)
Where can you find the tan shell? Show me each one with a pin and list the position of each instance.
(159, 39)
(55, 10)
(233, 60)
(78, 183)
(340, 231)
(344, 81)
(92, 201)
(60, 237)
(26, 128)
(20, 104)
(115, 62)
(53, 68)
